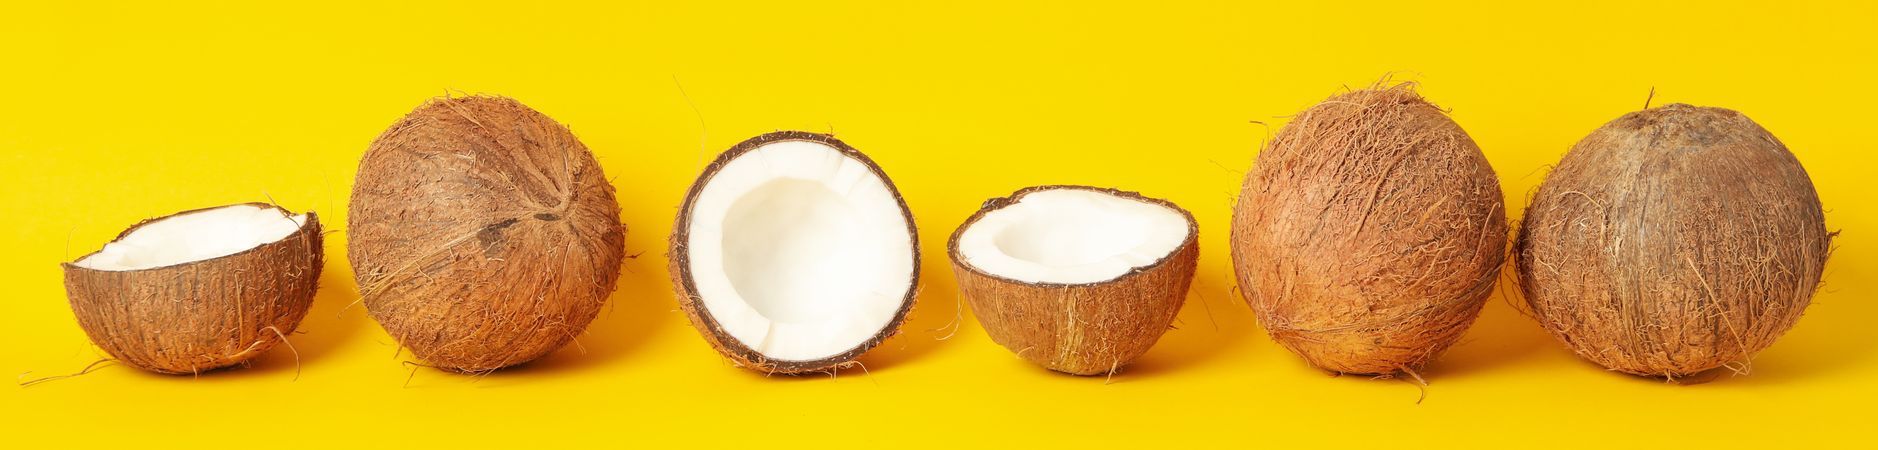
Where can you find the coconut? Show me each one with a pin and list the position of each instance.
(1369, 233)
(1079, 279)
(198, 290)
(1672, 241)
(794, 253)
(482, 234)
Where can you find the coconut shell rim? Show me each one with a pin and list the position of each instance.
(312, 220)
(997, 203)
(310, 230)
(682, 261)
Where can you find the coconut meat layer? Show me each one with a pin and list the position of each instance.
(1072, 236)
(798, 251)
(194, 236)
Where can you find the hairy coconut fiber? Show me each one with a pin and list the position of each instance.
(684, 284)
(1369, 233)
(200, 315)
(1086, 328)
(482, 233)
(1671, 241)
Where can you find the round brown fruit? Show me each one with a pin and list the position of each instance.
(1369, 233)
(482, 234)
(1672, 241)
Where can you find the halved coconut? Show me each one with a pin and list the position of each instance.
(1079, 279)
(198, 290)
(793, 252)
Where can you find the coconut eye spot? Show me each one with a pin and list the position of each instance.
(799, 251)
(1072, 236)
(194, 236)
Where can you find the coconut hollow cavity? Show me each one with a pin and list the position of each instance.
(198, 290)
(793, 252)
(1672, 241)
(1079, 279)
(194, 236)
(1072, 235)
(482, 233)
(1369, 233)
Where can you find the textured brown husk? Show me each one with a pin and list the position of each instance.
(200, 315)
(1369, 233)
(679, 264)
(482, 233)
(1672, 241)
(1084, 328)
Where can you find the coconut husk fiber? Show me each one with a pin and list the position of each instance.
(1672, 241)
(482, 233)
(200, 315)
(1369, 233)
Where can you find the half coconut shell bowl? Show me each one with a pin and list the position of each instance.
(1079, 279)
(198, 290)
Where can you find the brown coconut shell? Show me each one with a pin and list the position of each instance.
(1369, 233)
(685, 286)
(1083, 328)
(482, 233)
(1672, 241)
(200, 315)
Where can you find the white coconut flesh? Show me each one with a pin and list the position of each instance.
(194, 236)
(799, 252)
(1072, 236)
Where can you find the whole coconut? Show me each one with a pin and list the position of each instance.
(482, 234)
(1369, 233)
(1672, 241)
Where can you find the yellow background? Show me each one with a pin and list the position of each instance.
(111, 114)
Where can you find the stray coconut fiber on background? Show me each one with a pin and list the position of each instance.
(1079, 279)
(1369, 233)
(198, 290)
(793, 252)
(482, 233)
(1672, 241)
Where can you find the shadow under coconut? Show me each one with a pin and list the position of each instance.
(1833, 337)
(1787, 362)
(637, 309)
(322, 330)
(327, 325)
(1812, 350)
(1213, 323)
(1503, 336)
(939, 313)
